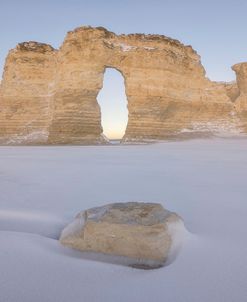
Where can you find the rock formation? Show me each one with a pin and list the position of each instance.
(241, 100)
(49, 96)
(26, 92)
(146, 233)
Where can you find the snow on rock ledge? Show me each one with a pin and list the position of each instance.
(145, 233)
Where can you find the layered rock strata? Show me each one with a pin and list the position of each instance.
(241, 100)
(144, 233)
(49, 96)
(26, 94)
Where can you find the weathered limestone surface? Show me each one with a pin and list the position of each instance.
(50, 96)
(143, 232)
(26, 93)
(241, 101)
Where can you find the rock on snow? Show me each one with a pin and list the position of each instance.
(137, 230)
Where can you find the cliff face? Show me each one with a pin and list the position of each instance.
(26, 93)
(241, 101)
(50, 96)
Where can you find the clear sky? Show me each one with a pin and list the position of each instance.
(113, 103)
(216, 29)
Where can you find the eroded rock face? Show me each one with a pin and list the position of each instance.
(26, 93)
(143, 232)
(50, 96)
(241, 101)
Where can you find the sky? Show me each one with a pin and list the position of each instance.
(216, 29)
(113, 103)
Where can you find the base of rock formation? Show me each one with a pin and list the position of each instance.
(145, 235)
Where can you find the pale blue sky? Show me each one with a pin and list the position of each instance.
(113, 103)
(216, 29)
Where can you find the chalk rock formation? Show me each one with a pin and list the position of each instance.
(50, 96)
(26, 93)
(146, 233)
(241, 101)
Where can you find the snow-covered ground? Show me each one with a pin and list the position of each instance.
(42, 188)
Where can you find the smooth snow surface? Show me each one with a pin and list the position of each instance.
(42, 188)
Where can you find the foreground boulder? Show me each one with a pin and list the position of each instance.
(145, 233)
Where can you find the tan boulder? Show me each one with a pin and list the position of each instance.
(145, 233)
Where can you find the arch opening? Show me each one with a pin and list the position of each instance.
(112, 100)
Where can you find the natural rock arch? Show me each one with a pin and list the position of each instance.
(49, 96)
